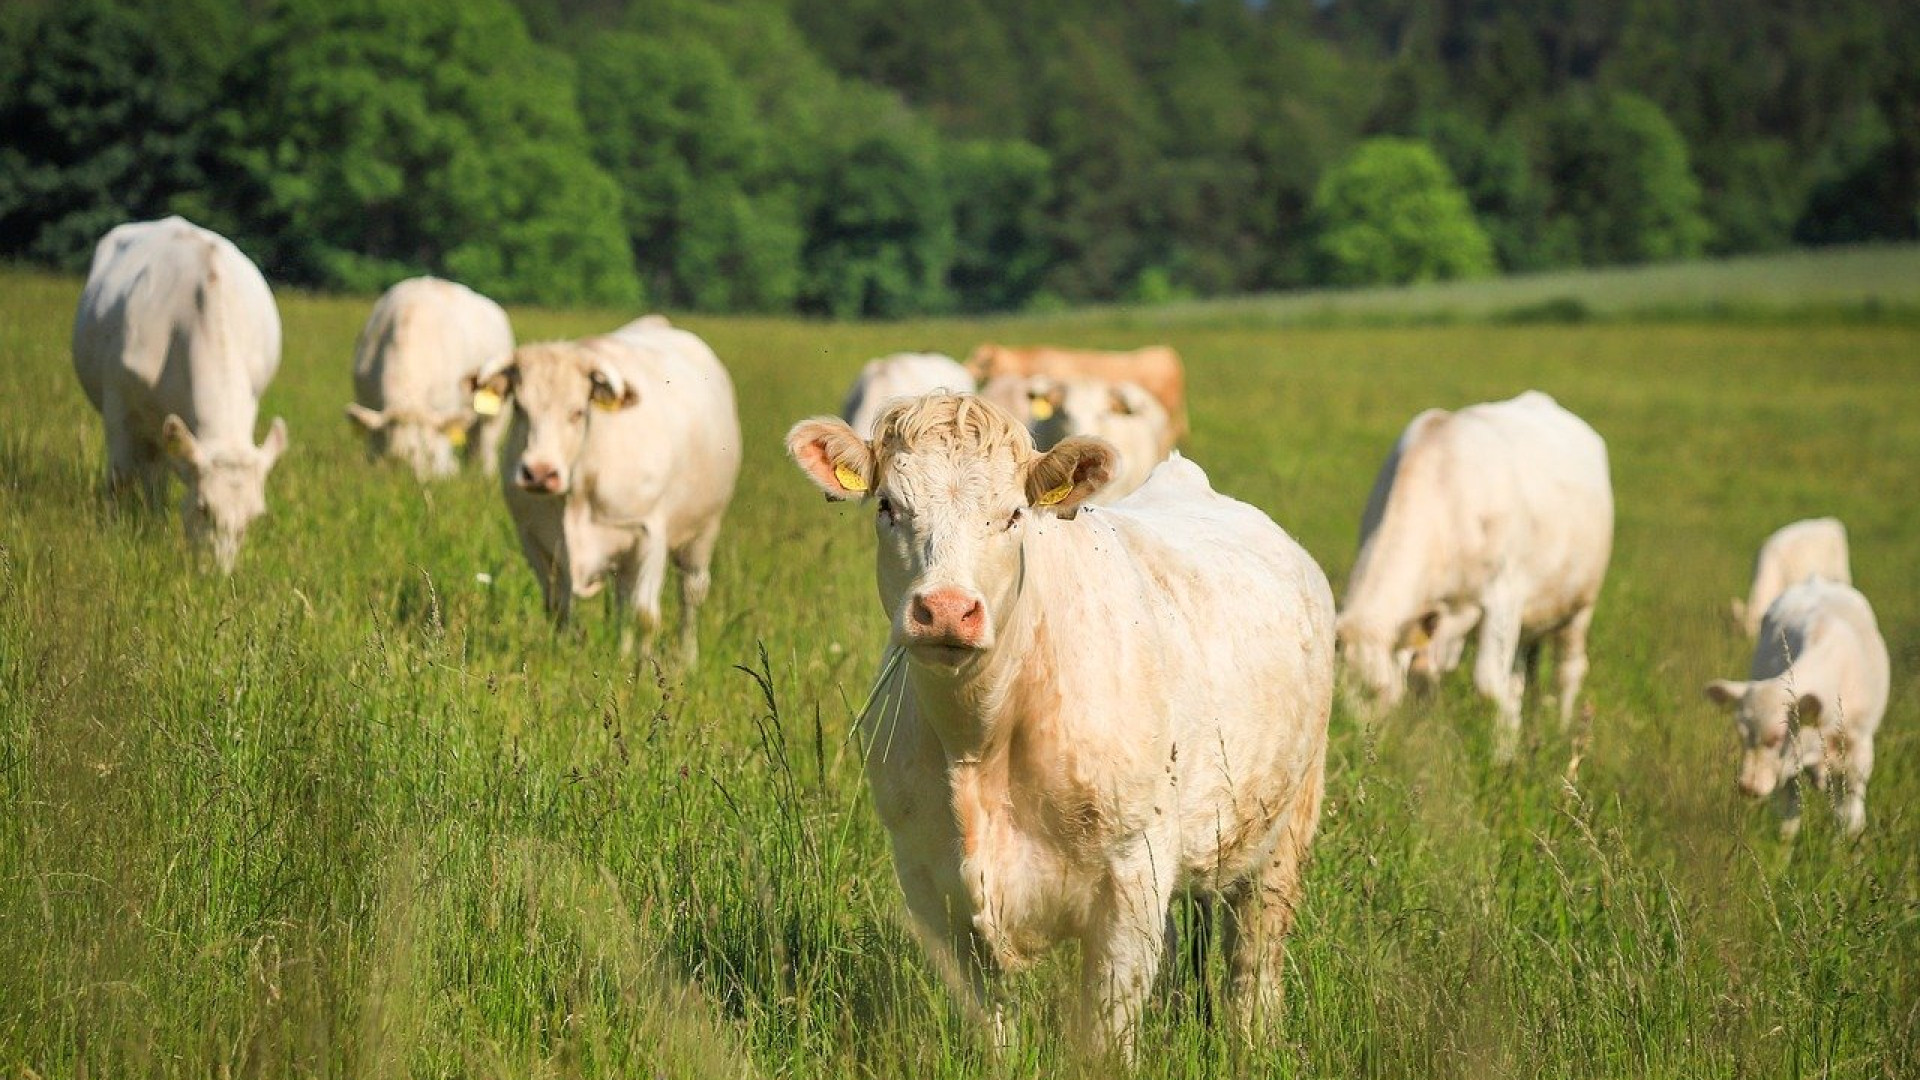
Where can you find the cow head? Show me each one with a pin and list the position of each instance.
(429, 443)
(1779, 732)
(555, 387)
(955, 486)
(226, 485)
(1376, 662)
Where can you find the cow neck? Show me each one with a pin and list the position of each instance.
(968, 710)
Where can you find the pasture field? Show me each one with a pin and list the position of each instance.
(358, 812)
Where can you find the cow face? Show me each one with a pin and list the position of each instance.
(226, 487)
(1375, 666)
(428, 443)
(1062, 408)
(955, 487)
(1779, 733)
(555, 388)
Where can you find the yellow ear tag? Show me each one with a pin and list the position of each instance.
(1418, 637)
(486, 402)
(849, 479)
(1057, 495)
(605, 404)
(457, 435)
(1042, 409)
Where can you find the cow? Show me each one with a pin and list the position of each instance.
(1082, 718)
(1498, 516)
(424, 340)
(889, 378)
(1804, 549)
(176, 338)
(1121, 413)
(1812, 701)
(1156, 369)
(622, 452)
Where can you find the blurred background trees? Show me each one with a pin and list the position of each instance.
(889, 157)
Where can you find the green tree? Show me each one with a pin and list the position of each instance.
(1622, 186)
(371, 139)
(1392, 214)
(1000, 193)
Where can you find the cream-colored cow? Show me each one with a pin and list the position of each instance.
(1498, 516)
(423, 344)
(176, 338)
(889, 378)
(621, 455)
(1812, 701)
(1816, 547)
(1122, 413)
(1083, 717)
(1156, 369)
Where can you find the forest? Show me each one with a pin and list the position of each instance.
(888, 158)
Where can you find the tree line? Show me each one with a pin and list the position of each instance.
(888, 157)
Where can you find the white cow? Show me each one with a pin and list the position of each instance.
(1813, 700)
(424, 342)
(1092, 714)
(1804, 549)
(623, 451)
(1498, 516)
(890, 378)
(1122, 413)
(175, 340)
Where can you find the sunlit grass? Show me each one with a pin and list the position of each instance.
(357, 812)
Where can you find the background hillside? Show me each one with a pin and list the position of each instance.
(891, 157)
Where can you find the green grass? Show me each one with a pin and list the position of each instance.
(354, 813)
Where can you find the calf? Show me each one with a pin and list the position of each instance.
(621, 454)
(890, 378)
(1082, 717)
(1794, 553)
(1814, 697)
(175, 340)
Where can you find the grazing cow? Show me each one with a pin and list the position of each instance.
(1156, 369)
(1813, 700)
(622, 452)
(1121, 413)
(424, 341)
(889, 378)
(1092, 714)
(176, 338)
(1498, 515)
(1804, 549)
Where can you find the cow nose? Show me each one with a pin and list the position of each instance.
(952, 613)
(537, 476)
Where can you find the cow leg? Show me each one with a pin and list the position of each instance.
(1496, 673)
(1262, 913)
(640, 589)
(1570, 661)
(694, 560)
(1852, 777)
(487, 436)
(1120, 955)
(551, 571)
(1786, 803)
(945, 929)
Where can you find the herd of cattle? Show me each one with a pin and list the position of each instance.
(1107, 685)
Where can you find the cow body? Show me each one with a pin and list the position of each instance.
(623, 450)
(1497, 517)
(1816, 547)
(1816, 691)
(890, 378)
(1123, 414)
(175, 340)
(1092, 715)
(1156, 369)
(422, 345)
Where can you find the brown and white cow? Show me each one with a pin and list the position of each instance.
(1156, 369)
(423, 343)
(1084, 717)
(621, 455)
(176, 338)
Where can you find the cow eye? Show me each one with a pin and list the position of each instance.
(1014, 519)
(884, 510)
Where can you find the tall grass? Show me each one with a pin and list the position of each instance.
(358, 812)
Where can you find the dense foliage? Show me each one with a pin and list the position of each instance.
(882, 157)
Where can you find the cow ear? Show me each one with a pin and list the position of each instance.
(179, 442)
(1808, 710)
(368, 419)
(1062, 478)
(1419, 633)
(1726, 693)
(611, 392)
(274, 444)
(838, 461)
(488, 390)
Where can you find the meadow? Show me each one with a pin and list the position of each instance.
(359, 811)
